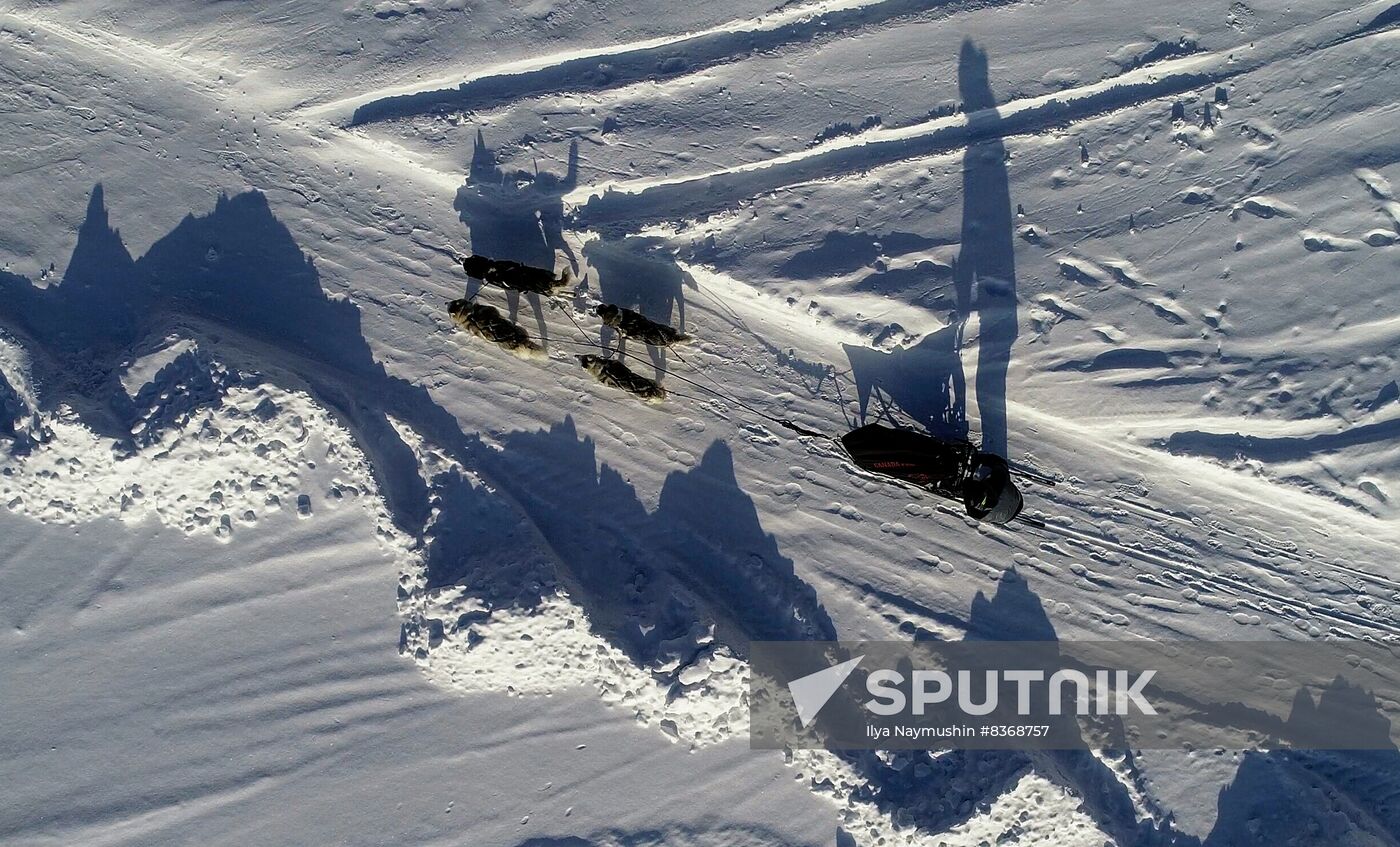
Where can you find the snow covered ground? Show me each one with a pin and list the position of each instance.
(287, 559)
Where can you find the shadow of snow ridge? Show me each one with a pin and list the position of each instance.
(236, 280)
(657, 584)
(654, 583)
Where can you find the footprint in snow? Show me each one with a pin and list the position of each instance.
(1169, 311)
(791, 489)
(756, 434)
(1197, 195)
(1084, 272)
(1392, 211)
(1378, 185)
(1263, 206)
(1062, 308)
(1316, 241)
(1103, 272)
(935, 562)
(682, 457)
(845, 511)
(1111, 334)
(1126, 272)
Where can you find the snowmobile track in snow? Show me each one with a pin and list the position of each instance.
(653, 60)
(697, 196)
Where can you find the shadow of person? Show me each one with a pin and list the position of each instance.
(926, 380)
(516, 216)
(985, 272)
(640, 273)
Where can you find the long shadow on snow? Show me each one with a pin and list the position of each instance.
(937, 791)
(650, 580)
(236, 282)
(987, 261)
(926, 381)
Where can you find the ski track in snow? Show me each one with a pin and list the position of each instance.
(1114, 559)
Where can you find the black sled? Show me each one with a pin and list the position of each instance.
(953, 469)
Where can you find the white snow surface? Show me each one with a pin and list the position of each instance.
(285, 558)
